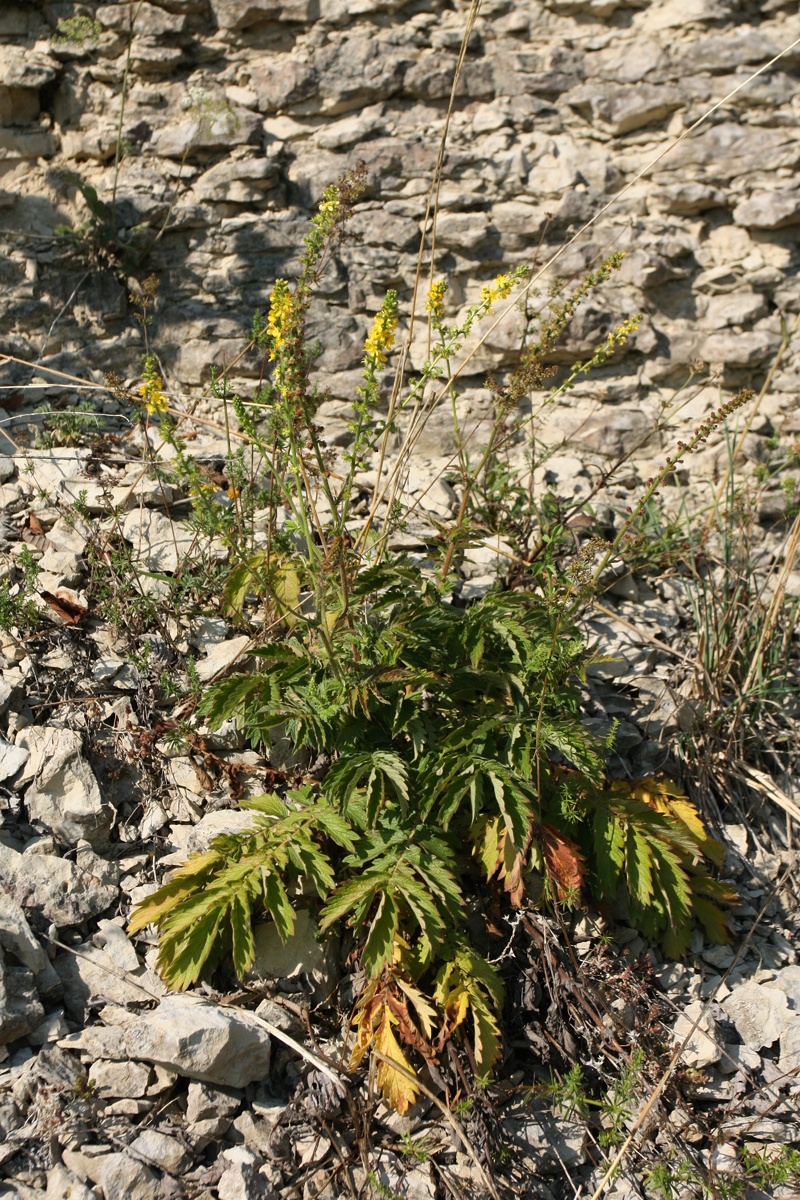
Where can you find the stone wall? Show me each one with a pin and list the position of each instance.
(238, 112)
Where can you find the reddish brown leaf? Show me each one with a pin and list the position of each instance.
(33, 533)
(64, 605)
(406, 1028)
(512, 879)
(565, 864)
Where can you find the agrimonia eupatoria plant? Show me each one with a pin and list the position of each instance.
(454, 757)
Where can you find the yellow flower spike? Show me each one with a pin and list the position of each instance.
(435, 302)
(499, 289)
(280, 315)
(152, 394)
(381, 337)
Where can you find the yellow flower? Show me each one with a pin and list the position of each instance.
(625, 329)
(329, 205)
(199, 489)
(381, 337)
(499, 289)
(435, 301)
(152, 394)
(280, 315)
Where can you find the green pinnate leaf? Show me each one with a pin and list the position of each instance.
(378, 947)
(277, 903)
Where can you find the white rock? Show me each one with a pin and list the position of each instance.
(201, 1040)
(63, 1185)
(64, 795)
(214, 824)
(93, 975)
(205, 1101)
(120, 1175)
(547, 1142)
(477, 587)
(120, 1080)
(220, 657)
(65, 893)
(163, 1151)
(737, 1057)
(701, 1049)
(60, 476)
(788, 980)
(17, 937)
(116, 672)
(12, 758)
(159, 544)
(759, 1011)
(241, 1180)
(492, 557)
(208, 631)
(117, 946)
(789, 1060)
(52, 1028)
(303, 954)
(98, 1042)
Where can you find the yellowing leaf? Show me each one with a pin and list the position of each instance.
(667, 798)
(713, 919)
(364, 1022)
(456, 1006)
(426, 1013)
(486, 1034)
(487, 845)
(398, 1091)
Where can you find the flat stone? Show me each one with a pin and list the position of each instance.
(121, 1175)
(760, 1013)
(547, 1143)
(220, 657)
(120, 1080)
(63, 892)
(51, 1029)
(60, 476)
(789, 1060)
(20, 1009)
(117, 946)
(214, 824)
(239, 14)
(214, 125)
(92, 975)
(242, 1179)
(614, 433)
(17, 937)
(158, 543)
(64, 795)
(701, 1049)
(769, 210)
(201, 1041)
(303, 956)
(63, 1185)
(12, 758)
(739, 349)
(788, 980)
(161, 1150)
(97, 1042)
(205, 1101)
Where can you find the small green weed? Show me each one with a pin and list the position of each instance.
(17, 608)
(78, 30)
(68, 428)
